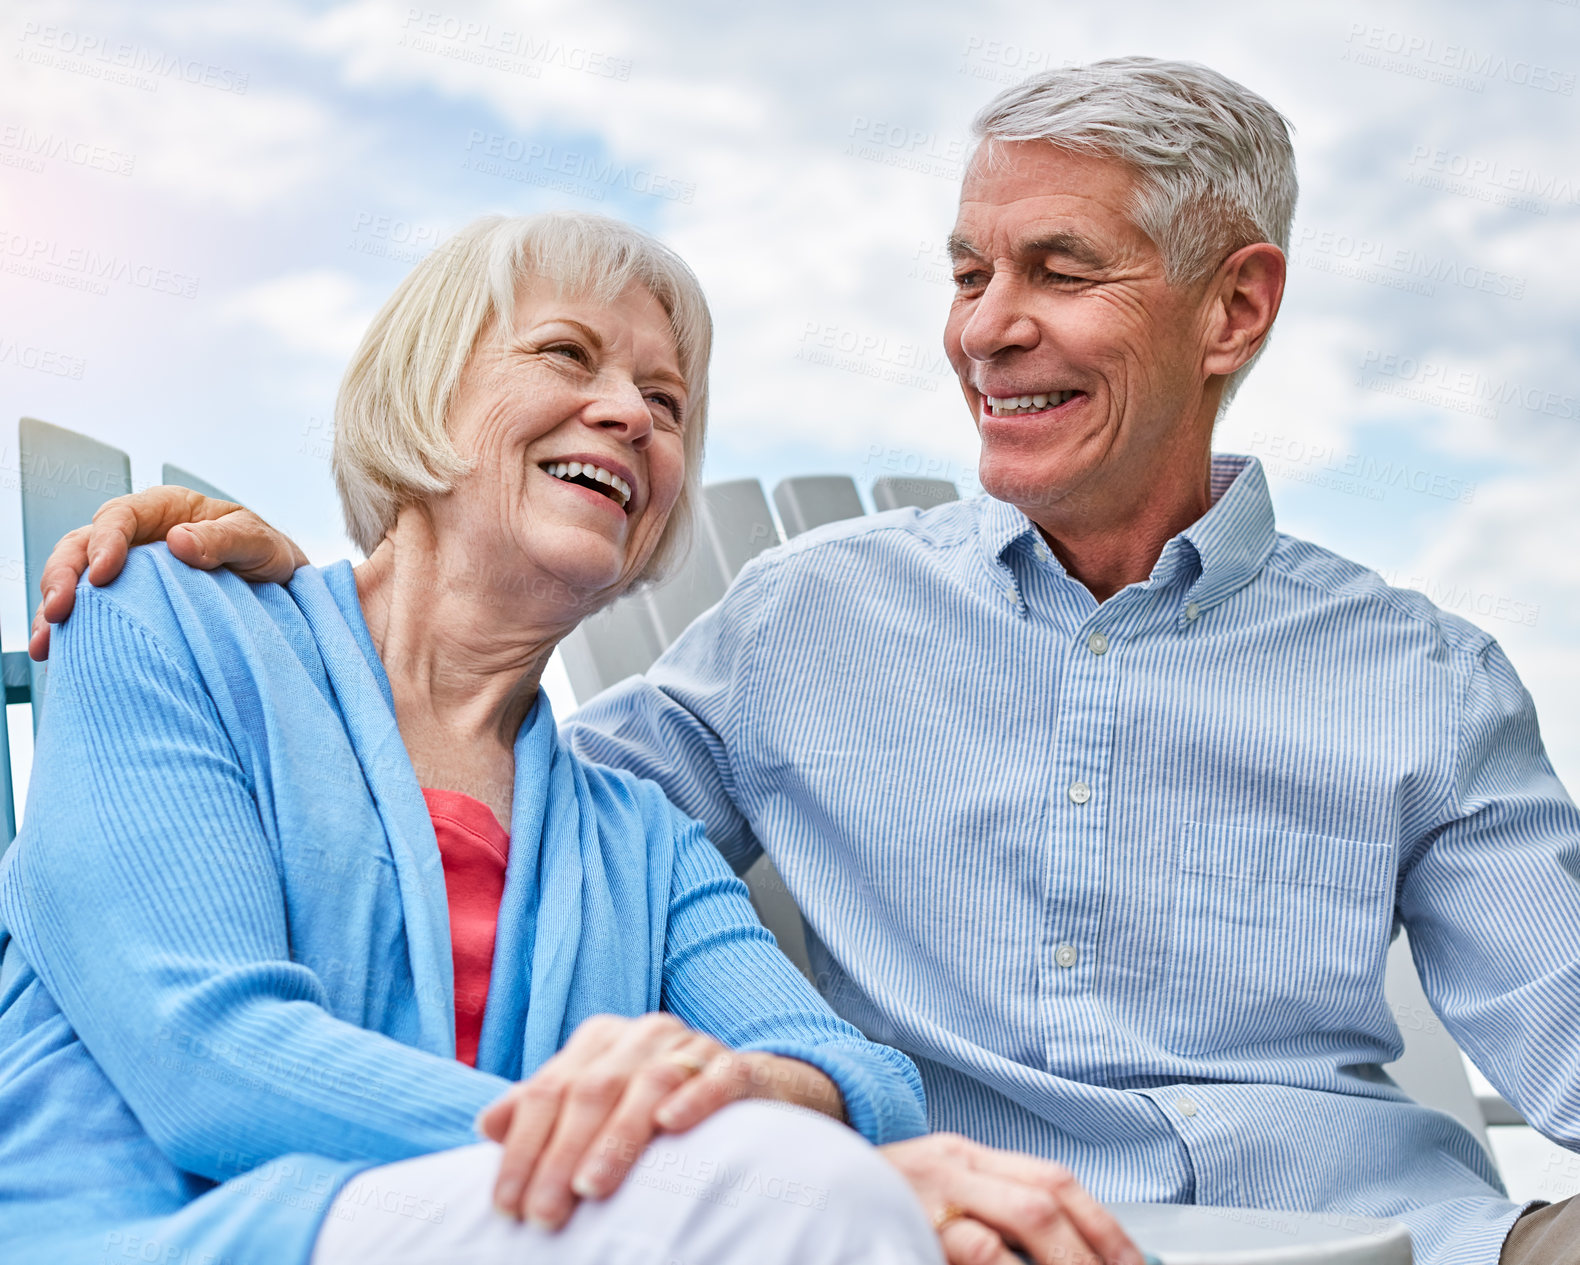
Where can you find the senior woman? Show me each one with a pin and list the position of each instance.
(307, 881)
(281, 810)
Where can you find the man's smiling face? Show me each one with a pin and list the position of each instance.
(1081, 364)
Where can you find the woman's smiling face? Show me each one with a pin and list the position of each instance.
(574, 425)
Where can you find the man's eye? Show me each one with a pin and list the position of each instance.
(1061, 278)
(969, 280)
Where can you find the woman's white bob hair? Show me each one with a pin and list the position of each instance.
(392, 444)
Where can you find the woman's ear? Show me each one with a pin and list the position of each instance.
(1246, 293)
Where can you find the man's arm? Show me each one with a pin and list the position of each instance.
(672, 726)
(684, 724)
(1492, 903)
(201, 531)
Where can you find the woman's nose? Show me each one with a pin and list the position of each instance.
(623, 410)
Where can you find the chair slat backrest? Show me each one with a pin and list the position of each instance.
(697, 585)
(892, 493)
(734, 525)
(738, 523)
(186, 479)
(619, 641)
(813, 500)
(65, 478)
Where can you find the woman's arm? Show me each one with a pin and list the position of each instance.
(145, 894)
(724, 975)
(743, 1023)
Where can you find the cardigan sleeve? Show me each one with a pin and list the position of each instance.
(146, 895)
(724, 975)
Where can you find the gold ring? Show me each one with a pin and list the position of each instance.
(693, 1063)
(946, 1214)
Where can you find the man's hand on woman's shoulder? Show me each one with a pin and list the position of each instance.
(200, 531)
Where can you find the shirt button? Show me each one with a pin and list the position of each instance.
(1080, 792)
(1185, 1106)
(1066, 956)
(1097, 643)
(1192, 610)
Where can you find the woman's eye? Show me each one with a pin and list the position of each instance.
(668, 403)
(571, 351)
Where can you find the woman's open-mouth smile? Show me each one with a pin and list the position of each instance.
(592, 480)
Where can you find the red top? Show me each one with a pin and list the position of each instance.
(474, 848)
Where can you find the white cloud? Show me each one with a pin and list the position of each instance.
(322, 313)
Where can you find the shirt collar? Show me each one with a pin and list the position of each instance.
(1232, 539)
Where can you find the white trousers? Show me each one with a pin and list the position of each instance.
(756, 1183)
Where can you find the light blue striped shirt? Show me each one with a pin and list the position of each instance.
(1122, 877)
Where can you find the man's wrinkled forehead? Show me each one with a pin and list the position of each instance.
(1078, 202)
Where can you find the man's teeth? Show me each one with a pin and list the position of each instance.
(1009, 405)
(587, 471)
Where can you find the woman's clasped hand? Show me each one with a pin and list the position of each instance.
(575, 1127)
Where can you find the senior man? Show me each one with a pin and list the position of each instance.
(1102, 798)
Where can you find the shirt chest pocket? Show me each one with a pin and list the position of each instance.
(1276, 937)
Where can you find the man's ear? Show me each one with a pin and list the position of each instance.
(1246, 292)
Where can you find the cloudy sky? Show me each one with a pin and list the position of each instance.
(202, 204)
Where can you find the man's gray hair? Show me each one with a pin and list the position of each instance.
(1214, 167)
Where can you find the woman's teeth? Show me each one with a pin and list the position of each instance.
(1009, 405)
(590, 475)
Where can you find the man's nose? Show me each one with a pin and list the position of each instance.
(999, 320)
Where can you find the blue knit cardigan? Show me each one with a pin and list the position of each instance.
(226, 983)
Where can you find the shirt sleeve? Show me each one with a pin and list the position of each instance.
(1492, 904)
(146, 895)
(724, 975)
(682, 724)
